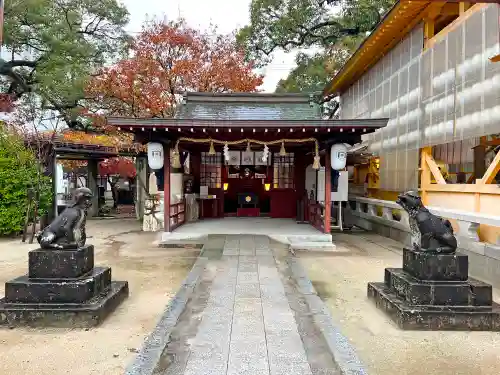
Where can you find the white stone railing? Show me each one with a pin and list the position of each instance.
(367, 212)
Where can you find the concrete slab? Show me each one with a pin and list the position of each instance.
(281, 230)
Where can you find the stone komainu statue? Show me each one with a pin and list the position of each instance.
(67, 231)
(436, 234)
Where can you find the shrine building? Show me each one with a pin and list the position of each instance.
(246, 154)
(432, 68)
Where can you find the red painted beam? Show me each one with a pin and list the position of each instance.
(328, 194)
(166, 187)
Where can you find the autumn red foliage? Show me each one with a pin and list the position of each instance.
(168, 59)
(119, 141)
(119, 166)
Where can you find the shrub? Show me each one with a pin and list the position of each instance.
(19, 170)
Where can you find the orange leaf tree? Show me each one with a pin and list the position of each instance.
(119, 166)
(166, 60)
(118, 141)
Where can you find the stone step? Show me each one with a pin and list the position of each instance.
(91, 313)
(452, 318)
(180, 244)
(26, 290)
(415, 292)
(318, 246)
(312, 238)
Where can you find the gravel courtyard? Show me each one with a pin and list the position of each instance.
(341, 280)
(154, 275)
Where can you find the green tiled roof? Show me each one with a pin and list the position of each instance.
(253, 109)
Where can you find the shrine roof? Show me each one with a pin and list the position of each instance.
(204, 114)
(248, 106)
(393, 27)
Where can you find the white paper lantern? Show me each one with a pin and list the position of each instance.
(155, 155)
(338, 156)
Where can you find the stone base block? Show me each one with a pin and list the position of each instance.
(472, 292)
(198, 245)
(60, 264)
(25, 290)
(442, 267)
(64, 315)
(434, 318)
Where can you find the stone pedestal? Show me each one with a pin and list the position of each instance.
(434, 292)
(192, 208)
(151, 222)
(62, 289)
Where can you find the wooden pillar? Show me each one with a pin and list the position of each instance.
(166, 187)
(425, 177)
(328, 193)
(300, 165)
(428, 31)
(491, 172)
(55, 178)
(92, 173)
(141, 185)
(463, 6)
(479, 161)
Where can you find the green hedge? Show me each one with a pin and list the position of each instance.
(19, 169)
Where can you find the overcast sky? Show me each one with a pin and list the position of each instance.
(228, 15)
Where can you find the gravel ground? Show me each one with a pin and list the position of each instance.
(384, 349)
(154, 276)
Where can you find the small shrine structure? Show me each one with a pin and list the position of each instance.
(246, 154)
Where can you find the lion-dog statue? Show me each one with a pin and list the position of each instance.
(67, 231)
(434, 233)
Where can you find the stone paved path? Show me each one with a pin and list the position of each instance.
(241, 320)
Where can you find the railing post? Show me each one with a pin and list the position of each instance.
(371, 210)
(387, 213)
(405, 218)
(468, 230)
(358, 206)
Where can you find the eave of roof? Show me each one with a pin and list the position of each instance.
(140, 123)
(254, 97)
(358, 148)
(395, 25)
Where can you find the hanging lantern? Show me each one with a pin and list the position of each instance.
(155, 155)
(212, 149)
(226, 153)
(338, 156)
(175, 156)
(316, 162)
(248, 147)
(282, 150)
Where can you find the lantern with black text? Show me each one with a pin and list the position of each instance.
(338, 156)
(155, 155)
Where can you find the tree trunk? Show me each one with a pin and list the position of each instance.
(114, 193)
